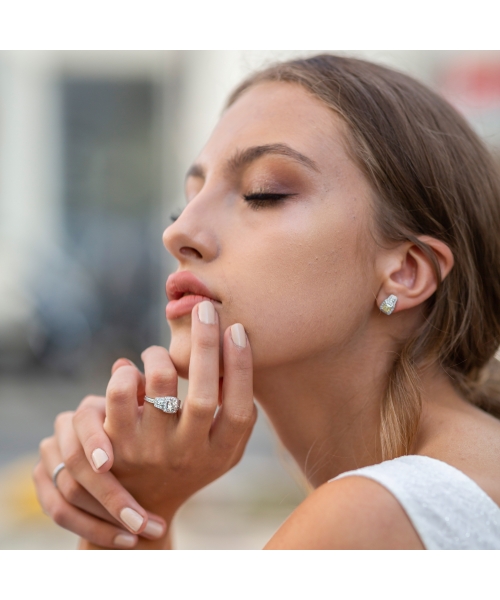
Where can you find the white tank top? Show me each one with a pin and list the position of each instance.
(448, 510)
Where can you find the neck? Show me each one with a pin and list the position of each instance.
(325, 409)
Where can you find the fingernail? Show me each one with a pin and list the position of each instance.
(154, 529)
(125, 540)
(131, 518)
(206, 312)
(99, 457)
(238, 335)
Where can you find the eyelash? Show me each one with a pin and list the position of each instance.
(263, 199)
(256, 200)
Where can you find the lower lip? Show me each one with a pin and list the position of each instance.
(183, 306)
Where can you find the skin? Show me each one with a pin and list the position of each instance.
(305, 277)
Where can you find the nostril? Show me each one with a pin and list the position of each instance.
(188, 251)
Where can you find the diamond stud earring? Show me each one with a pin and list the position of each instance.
(388, 305)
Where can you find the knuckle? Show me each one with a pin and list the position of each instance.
(161, 379)
(109, 498)
(240, 419)
(151, 349)
(73, 460)
(207, 340)
(45, 445)
(59, 514)
(71, 490)
(62, 418)
(82, 413)
(243, 373)
(120, 391)
(201, 407)
(90, 401)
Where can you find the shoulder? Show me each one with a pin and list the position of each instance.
(350, 513)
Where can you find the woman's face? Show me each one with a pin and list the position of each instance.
(277, 227)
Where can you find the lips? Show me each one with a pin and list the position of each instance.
(184, 291)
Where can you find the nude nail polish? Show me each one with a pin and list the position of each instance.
(99, 457)
(131, 518)
(154, 529)
(238, 335)
(125, 540)
(206, 312)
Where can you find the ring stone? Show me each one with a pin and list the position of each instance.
(167, 404)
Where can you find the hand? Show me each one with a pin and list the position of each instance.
(93, 506)
(162, 459)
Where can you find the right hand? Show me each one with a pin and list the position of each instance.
(84, 502)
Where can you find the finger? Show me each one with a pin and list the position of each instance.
(125, 362)
(202, 398)
(88, 423)
(104, 487)
(161, 380)
(121, 400)
(70, 489)
(84, 525)
(237, 413)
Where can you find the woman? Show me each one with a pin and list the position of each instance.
(338, 261)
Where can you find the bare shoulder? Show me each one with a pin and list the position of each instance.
(350, 513)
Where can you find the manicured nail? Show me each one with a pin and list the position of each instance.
(154, 529)
(125, 540)
(238, 335)
(99, 457)
(131, 518)
(206, 312)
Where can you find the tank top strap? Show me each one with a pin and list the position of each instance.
(447, 509)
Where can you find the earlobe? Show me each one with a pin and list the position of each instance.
(411, 278)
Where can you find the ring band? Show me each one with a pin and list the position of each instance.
(168, 404)
(56, 472)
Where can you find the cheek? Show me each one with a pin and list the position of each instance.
(301, 294)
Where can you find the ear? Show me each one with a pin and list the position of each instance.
(409, 274)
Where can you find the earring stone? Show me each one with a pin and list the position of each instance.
(388, 305)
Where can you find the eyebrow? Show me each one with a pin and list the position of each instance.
(243, 158)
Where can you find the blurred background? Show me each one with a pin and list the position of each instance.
(93, 151)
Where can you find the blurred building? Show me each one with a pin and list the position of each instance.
(93, 151)
(93, 147)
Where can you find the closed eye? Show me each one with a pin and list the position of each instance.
(262, 199)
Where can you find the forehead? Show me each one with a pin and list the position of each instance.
(280, 112)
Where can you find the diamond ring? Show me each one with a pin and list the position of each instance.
(168, 404)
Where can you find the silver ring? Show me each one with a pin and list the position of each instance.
(168, 404)
(56, 472)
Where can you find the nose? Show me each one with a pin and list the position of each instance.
(191, 237)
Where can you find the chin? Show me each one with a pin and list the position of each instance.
(180, 349)
(180, 352)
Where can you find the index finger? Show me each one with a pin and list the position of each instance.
(88, 423)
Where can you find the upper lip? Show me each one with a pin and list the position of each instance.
(184, 282)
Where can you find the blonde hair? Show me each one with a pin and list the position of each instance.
(432, 176)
